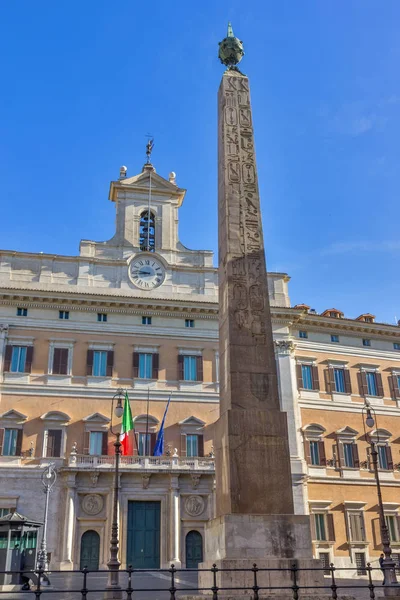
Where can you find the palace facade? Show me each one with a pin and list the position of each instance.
(140, 312)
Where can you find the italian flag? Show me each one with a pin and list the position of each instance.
(126, 429)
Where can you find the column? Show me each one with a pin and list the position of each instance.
(3, 342)
(289, 404)
(175, 519)
(69, 551)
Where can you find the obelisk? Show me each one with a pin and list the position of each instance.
(255, 519)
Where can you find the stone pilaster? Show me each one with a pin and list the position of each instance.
(69, 554)
(175, 521)
(289, 404)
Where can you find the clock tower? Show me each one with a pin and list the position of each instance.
(145, 254)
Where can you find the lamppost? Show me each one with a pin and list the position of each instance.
(388, 565)
(49, 477)
(114, 590)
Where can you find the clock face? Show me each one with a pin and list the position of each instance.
(146, 272)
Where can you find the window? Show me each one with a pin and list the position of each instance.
(383, 458)
(60, 361)
(189, 322)
(53, 448)
(12, 439)
(320, 529)
(360, 563)
(99, 363)
(357, 527)
(143, 447)
(339, 380)
(96, 443)
(306, 373)
(192, 445)
(392, 522)
(396, 346)
(335, 338)
(348, 455)
(18, 359)
(102, 317)
(325, 560)
(145, 366)
(5, 511)
(314, 452)
(147, 231)
(366, 342)
(146, 320)
(303, 335)
(190, 368)
(22, 312)
(63, 314)
(371, 383)
(396, 558)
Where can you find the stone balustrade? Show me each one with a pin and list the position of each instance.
(158, 463)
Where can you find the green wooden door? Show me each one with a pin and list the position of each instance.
(90, 550)
(143, 537)
(194, 549)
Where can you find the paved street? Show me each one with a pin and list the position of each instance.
(155, 586)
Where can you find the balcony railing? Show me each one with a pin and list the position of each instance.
(159, 463)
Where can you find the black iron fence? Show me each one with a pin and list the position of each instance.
(86, 584)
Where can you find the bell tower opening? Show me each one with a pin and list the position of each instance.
(147, 237)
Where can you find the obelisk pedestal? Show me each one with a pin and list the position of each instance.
(255, 520)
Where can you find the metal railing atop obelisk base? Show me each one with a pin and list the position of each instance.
(255, 520)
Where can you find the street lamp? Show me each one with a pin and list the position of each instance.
(48, 477)
(388, 565)
(114, 590)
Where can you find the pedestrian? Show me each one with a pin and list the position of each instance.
(381, 559)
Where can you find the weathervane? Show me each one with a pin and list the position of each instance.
(231, 51)
(149, 149)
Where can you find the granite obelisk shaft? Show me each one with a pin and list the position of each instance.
(252, 449)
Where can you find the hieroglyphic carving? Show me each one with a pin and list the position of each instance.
(247, 274)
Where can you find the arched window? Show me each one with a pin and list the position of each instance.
(147, 237)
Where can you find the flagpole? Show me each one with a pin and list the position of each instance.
(147, 423)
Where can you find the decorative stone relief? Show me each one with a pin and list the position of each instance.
(92, 504)
(195, 480)
(145, 480)
(285, 346)
(194, 506)
(94, 477)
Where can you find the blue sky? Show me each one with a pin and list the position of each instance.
(84, 82)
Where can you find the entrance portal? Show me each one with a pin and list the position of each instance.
(90, 550)
(143, 536)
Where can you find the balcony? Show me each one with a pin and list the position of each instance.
(141, 463)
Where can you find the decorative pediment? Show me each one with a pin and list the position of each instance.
(347, 432)
(380, 435)
(192, 421)
(143, 419)
(313, 429)
(13, 415)
(56, 416)
(96, 418)
(140, 182)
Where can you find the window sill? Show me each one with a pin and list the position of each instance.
(11, 461)
(323, 543)
(98, 381)
(350, 473)
(17, 377)
(361, 544)
(309, 394)
(316, 471)
(195, 386)
(144, 383)
(375, 399)
(341, 397)
(59, 379)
